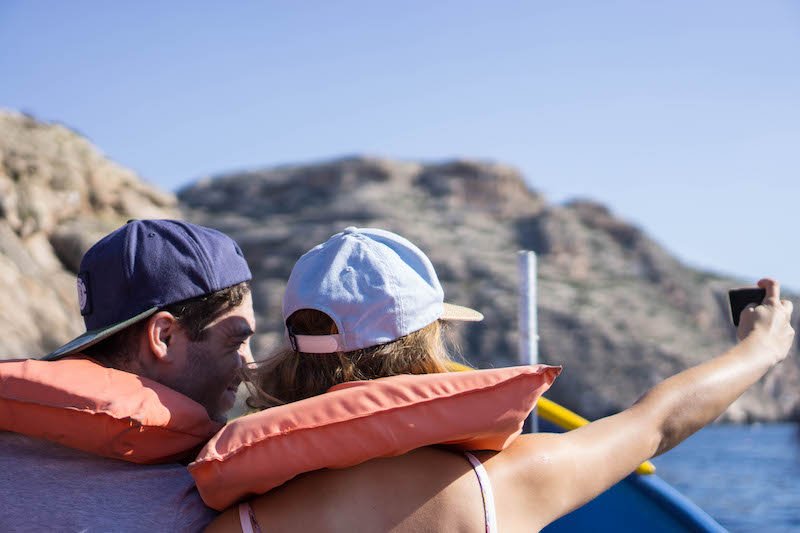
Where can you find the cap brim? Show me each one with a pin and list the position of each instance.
(94, 336)
(460, 313)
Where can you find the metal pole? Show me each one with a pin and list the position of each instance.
(528, 327)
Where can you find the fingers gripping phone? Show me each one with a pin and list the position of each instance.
(741, 298)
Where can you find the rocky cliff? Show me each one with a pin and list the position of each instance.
(616, 309)
(58, 195)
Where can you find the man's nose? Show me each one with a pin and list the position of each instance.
(246, 355)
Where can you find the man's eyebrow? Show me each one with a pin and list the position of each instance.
(242, 332)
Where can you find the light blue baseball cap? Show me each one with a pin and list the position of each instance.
(375, 285)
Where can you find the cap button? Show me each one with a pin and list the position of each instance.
(349, 230)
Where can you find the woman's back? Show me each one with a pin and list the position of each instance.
(397, 494)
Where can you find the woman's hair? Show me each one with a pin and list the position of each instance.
(288, 375)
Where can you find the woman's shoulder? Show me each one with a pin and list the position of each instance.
(405, 493)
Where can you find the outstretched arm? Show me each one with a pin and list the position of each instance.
(559, 472)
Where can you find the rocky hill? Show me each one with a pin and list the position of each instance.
(58, 195)
(615, 308)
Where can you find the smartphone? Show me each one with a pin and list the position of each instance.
(741, 298)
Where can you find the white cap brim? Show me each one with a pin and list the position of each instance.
(460, 313)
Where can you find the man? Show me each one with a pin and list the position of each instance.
(166, 300)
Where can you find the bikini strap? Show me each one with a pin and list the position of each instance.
(490, 516)
(247, 519)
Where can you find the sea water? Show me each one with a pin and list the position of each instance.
(746, 477)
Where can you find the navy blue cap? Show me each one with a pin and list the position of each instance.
(146, 265)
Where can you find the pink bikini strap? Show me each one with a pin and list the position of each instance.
(485, 483)
(247, 519)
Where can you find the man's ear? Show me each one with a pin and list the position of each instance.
(161, 328)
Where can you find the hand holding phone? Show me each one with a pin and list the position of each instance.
(741, 298)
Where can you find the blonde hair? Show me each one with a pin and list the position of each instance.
(287, 376)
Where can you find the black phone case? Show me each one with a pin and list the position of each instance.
(741, 298)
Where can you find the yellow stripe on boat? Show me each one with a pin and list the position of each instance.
(564, 418)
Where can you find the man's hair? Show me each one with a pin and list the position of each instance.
(287, 375)
(193, 315)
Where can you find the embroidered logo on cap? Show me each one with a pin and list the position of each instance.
(84, 301)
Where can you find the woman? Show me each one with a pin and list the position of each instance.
(367, 304)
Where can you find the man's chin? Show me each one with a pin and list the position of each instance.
(221, 418)
(226, 402)
(220, 414)
(229, 399)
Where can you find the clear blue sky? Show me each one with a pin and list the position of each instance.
(682, 116)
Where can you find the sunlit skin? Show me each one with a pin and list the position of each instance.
(541, 476)
(205, 370)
